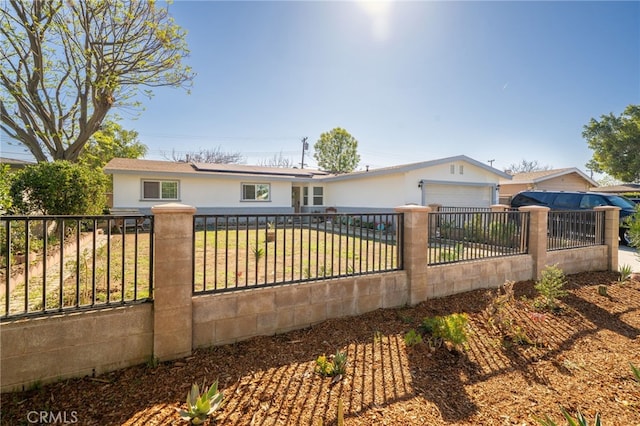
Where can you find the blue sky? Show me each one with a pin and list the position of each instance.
(411, 81)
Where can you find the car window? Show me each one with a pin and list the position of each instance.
(567, 201)
(531, 199)
(590, 201)
(622, 202)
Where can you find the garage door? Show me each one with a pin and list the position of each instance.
(458, 195)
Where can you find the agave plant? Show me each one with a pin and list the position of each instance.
(579, 420)
(201, 406)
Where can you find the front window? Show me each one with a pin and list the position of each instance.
(160, 190)
(318, 196)
(256, 192)
(305, 196)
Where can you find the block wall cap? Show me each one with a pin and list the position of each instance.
(173, 208)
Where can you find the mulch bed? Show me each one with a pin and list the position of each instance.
(521, 364)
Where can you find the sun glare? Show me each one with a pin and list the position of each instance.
(380, 14)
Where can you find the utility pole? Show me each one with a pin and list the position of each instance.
(490, 162)
(305, 146)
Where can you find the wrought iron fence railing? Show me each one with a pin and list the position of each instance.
(470, 235)
(52, 264)
(575, 228)
(237, 252)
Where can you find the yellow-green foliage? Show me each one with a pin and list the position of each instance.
(451, 328)
(551, 286)
(337, 366)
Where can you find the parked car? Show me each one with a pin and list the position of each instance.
(561, 200)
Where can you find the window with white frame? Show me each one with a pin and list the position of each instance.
(318, 198)
(305, 196)
(160, 189)
(452, 169)
(461, 169)
(256, 192)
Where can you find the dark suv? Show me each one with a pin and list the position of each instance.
(559, 200)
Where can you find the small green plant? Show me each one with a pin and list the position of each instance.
(579, 420)
(412, 338)
(636, 372)
(451, 328)
(336, 367)
(201, 406)
(625, 273)
(603, 290)
(551, 286)
(258, 253)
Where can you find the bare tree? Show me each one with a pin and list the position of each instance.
(65, 64)
(209, 155)
(526, 166)
(277, 161)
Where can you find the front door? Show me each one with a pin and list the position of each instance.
(295, 198)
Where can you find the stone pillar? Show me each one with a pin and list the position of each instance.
(416, 243)
(173, 280)
(538, 219)
(611, 234)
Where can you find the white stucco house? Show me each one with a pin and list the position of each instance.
(240, 189)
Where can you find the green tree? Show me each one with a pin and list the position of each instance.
(58, 187)
(337, 151)
(66, 64)
(5, 187)
(615, 141)
(111, 141)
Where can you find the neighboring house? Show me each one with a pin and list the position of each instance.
(569, 179)
(623, 188)
(15, 164)
(238, 189)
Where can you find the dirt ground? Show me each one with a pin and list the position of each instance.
(520, 364)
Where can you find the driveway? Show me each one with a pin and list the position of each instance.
(629, 256)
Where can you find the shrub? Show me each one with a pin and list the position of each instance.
(551, 286)
(412, 338)
(451, 328)
(58, 188)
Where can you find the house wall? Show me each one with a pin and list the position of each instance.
(569, 182)
(211, 196)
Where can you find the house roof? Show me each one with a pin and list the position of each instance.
(542, 175)
(129, 165)
(625, 187)
(414, 166)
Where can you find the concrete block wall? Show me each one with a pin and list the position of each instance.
(231, 317)
(46, 349)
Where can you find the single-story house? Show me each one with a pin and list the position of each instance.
(623, 188)
(242, 189)
(568, 179)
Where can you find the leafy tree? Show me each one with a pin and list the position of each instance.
(5, 186)
(526, 167)
(111, 141)
(58, 187)
(211, 155)
(615, 142)
(66, 64)
(337, 151)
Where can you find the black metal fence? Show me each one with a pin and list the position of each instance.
(577, 228)
(52, 264)
(236, 252)
(470, 235)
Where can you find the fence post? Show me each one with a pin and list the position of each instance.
(611, 234)
(416, 244)
(173, 279)
(538, 220)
